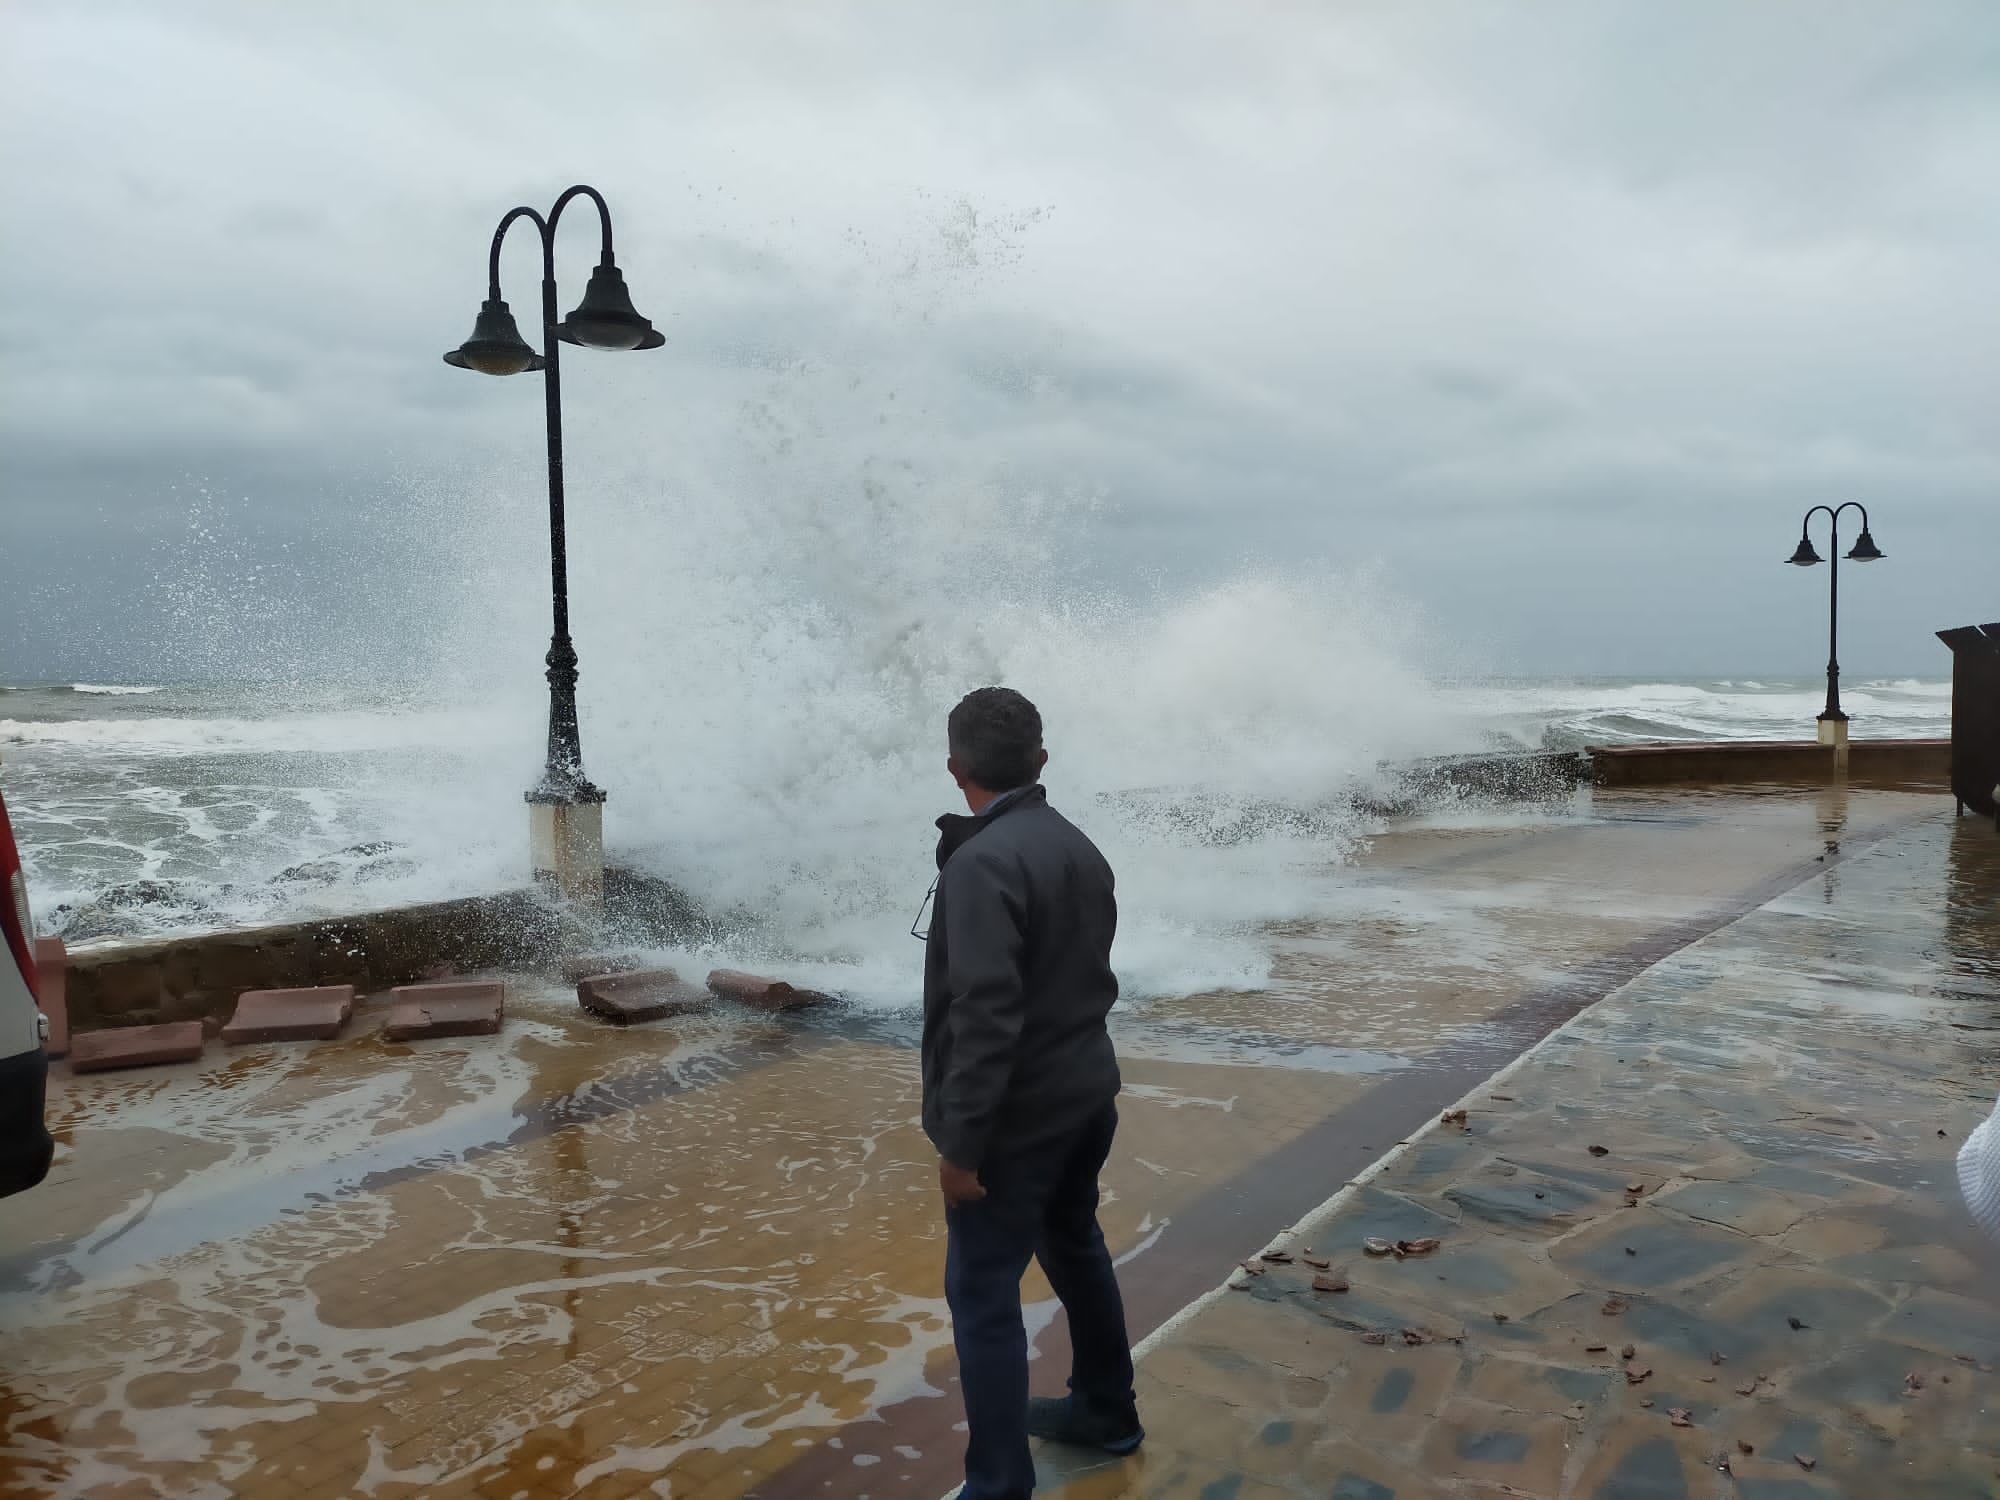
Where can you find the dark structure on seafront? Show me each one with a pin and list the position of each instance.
(565, 822)
(1806, 556)
(1975, 716)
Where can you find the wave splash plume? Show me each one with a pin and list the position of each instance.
(784, 576)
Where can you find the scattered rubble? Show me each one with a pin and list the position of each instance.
(760, 993)
(639, 995)
(452, 1008)
(297, 1015)
(135, 1046)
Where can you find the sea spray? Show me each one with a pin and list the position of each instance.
(786, 565)
(775, 614)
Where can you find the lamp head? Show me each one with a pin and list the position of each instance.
(496, 346)
(1865, 549)
(1805, 557)
(606, 319)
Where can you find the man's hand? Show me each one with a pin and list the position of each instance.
(960, 1186)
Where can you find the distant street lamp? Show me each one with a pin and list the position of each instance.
(1832, 721)
(565, 818)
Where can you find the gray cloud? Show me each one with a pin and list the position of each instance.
(1561, 317)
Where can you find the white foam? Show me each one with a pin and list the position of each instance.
(1533, 714)
(346, 732)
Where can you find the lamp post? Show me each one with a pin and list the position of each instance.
(1832, 722)
(565, 819)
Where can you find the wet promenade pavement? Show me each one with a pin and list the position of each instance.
(703, 1258)
(1704, 1242)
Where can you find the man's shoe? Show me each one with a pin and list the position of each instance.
(1064, 1419)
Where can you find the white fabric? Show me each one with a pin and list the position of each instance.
(1979, 1173)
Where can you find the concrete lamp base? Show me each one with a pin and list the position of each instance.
(1834, 732)
(566, 845)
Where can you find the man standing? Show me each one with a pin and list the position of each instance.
(1020, 1084)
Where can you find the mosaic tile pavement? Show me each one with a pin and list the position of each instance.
(1703, 1242)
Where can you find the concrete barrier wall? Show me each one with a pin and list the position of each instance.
(200, 975)
(1923, 764)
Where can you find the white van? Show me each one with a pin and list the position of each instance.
(25, 1147)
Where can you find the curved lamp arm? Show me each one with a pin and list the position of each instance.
(584, 190)
(547, 230)
(1833, 514)
(500, 234)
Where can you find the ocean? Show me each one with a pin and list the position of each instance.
(151, 808)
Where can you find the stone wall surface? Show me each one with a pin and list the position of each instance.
(1920, 763)
(198, 975)
(194, 977)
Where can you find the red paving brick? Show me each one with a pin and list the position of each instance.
(309, 1015)
(642, 995)
(582, 966)
(51, 991)
(135, 1046)
(452, 1008)
(760, 993)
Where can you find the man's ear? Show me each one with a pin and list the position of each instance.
(957, 771)
(1041, 761)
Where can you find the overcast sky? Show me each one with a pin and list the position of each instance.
(1551, 319)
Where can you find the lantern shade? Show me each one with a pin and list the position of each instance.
(1865, 549)
(496, 346)
(606, 319)
(1805, 557)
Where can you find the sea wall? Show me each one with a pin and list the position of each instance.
(199, 975)
(1919, 764)
(136, 983)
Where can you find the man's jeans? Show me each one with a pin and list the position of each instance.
(1040, 1204)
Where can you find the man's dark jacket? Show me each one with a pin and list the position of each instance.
(1017, 982)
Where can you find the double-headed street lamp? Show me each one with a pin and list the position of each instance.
(1865, 550)
(565, 819)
